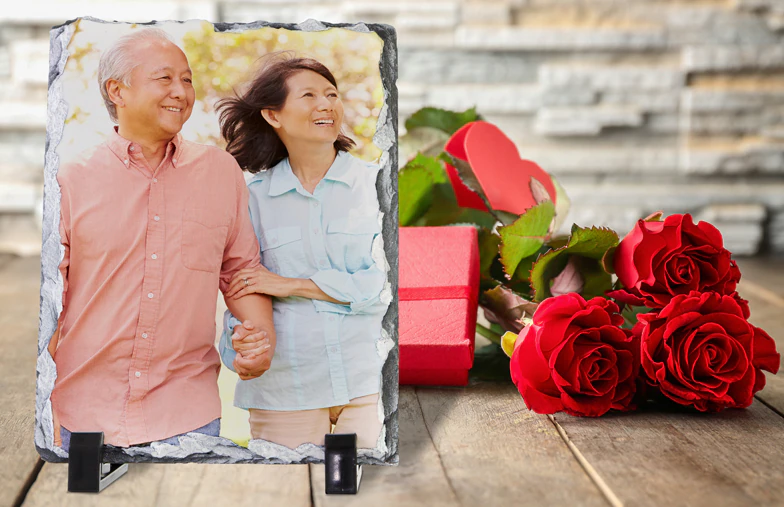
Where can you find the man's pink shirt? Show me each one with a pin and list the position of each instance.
(146, 252)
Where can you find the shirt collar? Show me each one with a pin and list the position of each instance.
(283, 179)
(127, 150)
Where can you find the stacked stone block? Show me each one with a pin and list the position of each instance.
(635, 105)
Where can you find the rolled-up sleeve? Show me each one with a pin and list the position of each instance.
(227, 352)
(362, 290)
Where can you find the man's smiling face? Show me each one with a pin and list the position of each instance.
(160, 98)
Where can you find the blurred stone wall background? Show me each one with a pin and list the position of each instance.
(635, 105)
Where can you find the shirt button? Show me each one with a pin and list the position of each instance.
(150, 295)
(144, 335)
(315, 204)
(154, 256)
(322, 262)
(138, 374)
(315, 230)
(174, 160)
(333, 349)
(155, 180)
(126, 161)
(132, 148)
(331, 318)
(156, 218)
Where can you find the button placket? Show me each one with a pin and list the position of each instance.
(148, 314)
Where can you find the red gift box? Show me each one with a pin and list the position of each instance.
(439, 286)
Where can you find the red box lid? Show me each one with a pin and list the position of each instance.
(439, 285)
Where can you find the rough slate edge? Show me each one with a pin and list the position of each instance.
(195, 447)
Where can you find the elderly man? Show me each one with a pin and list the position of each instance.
(152, 226)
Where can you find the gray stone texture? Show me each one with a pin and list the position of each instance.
(604, 91)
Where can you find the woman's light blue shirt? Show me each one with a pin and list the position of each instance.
(326, 353)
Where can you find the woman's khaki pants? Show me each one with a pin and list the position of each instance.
(294, 427)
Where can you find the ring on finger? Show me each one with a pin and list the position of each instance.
(246, 281)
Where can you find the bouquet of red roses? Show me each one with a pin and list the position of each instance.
(591, 322)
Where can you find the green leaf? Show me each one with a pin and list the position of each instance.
(591, 244)
(445, 211)
(547, 267)
(415, 187)
(488, 250)
(525, 235)
(523, 271)
(415, 193)
(425, 140)
(490, 363)
(596, 280)
(429, 164)
(608, 260)
(630, 314)
(441, 119)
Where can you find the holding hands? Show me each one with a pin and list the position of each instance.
(254, 352)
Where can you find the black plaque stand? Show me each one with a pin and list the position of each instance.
(86, 472)
(340, 459)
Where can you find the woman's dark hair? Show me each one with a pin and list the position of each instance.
(251, 140)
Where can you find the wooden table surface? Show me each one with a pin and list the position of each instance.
(476, 445)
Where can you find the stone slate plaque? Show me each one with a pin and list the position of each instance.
(363, 57)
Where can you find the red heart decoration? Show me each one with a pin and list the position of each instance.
(504, 177)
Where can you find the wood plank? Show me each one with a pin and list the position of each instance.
(765, 271)
(773, 393)
(19, 289)
(767, 309)
(419, 479)
(672, 457)
(181, 485)
(496, 452)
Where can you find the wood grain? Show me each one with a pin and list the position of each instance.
(19, 290)
(191, 485)
(762, 284)
(765, 271)
(496, 452)
(673, 457)
(419, 479)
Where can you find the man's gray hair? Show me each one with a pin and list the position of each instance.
(117, 62)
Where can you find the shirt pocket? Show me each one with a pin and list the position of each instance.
(203, 239)
(282, 251)
(353, 236)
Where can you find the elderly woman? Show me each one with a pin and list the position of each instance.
(315, 212)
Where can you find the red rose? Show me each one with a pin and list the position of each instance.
(576, 358)
(700, 350)
(659, 260)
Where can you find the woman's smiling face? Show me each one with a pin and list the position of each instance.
(313, 111)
